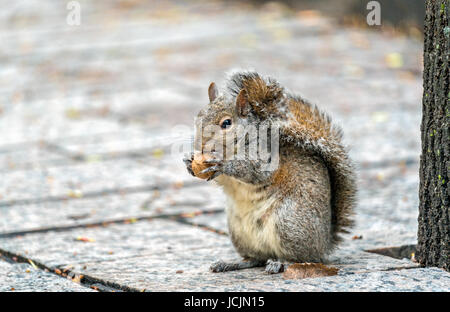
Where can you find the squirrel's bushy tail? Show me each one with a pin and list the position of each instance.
(318, 135)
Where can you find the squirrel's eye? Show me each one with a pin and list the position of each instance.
(225, 124)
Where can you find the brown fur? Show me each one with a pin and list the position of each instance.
(308, 119)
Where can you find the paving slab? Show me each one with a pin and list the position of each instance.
(218, 221)
(189, 271)
(187, 201)
(128, 141)
(148, 254)
(366, 135)
(20, 218)
(108, 242)
(23, 277)
(29, 156)
(83, 178)
(410, 280)
(387, 210)
(49, 120)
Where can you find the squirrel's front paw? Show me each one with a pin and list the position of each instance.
(216, 163)
(188, 162)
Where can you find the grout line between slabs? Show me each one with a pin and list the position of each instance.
(83, 280)
(126, 190)
(175, 217)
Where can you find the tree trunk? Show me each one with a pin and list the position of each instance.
(434, 225)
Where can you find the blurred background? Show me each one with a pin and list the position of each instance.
(151, 61)
(95, 93)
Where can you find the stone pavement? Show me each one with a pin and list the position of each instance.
(93, 195)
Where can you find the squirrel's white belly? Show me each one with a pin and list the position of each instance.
(251, 221)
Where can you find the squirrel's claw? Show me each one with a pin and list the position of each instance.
(188, 162)
(216, 169)
(213, 161)
(189, 158)
(211, 169)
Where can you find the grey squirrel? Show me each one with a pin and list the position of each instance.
(296, 212)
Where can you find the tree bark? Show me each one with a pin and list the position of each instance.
(434, 225)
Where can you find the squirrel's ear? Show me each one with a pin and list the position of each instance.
(242, 104)
(212, 92)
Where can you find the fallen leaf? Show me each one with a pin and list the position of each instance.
(73, 113)
(128, 221)
(77, 278)
(178, 184)
(158, 153)
(380, 177)
(394, 60)
(188, 215)
(75, 194)
(32, 264)
(93, 158)
(85, 239)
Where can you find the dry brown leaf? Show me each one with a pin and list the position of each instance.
(77, 278)
(85, 239)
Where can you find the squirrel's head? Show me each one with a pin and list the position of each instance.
(217, 122)
(232, 117)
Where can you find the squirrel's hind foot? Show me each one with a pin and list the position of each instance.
(222, 266)
(274, 267)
